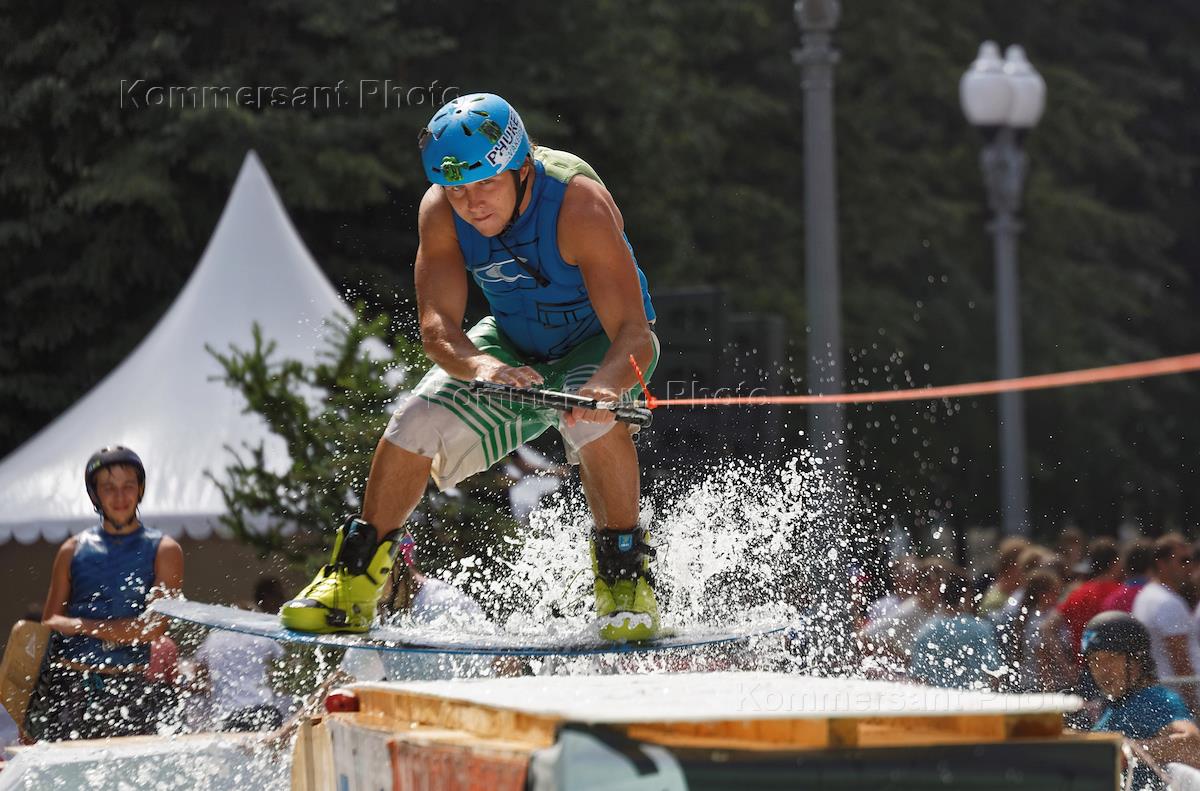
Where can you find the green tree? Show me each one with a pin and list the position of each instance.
(330, 415)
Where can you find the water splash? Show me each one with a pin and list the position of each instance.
(207, 761)
(739, 545)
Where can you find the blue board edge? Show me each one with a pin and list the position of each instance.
(376, 644)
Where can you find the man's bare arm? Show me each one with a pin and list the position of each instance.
(590, 237)
(60, 582)
(441, 281)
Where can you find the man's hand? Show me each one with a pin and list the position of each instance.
(492, 370)
(64, 625)
(600, 393)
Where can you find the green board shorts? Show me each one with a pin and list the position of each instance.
(463, 434)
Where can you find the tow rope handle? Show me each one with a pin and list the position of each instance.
(634, 414)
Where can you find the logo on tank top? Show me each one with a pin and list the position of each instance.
(505, 270)
(494, 272)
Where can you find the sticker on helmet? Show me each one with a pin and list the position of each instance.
(491, 130)
(452, 168)
(504, 149)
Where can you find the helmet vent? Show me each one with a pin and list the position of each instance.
(484, 113)
(466, 129)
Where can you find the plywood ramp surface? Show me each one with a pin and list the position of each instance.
(731, 710)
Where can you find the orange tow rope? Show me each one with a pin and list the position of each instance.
(1163, 366)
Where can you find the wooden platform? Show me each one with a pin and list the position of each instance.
(733, 710)
(482, 734)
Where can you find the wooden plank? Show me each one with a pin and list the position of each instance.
(312, 757)
(1033, 726)
(303, 770)
(847, 732)
(842, 732)
(403, 709)
(734, 734)
(930, 732)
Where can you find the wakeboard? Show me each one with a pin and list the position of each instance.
(557, 640)
(24, 658)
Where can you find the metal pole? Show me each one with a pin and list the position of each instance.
(1004, 166)
(822, 281)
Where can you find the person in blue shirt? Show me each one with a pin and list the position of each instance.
(542, 238)
(955, 648)
(103, 579)
(1116, 647)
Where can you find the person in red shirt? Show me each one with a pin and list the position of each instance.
(1087, 600)
(1139, 564)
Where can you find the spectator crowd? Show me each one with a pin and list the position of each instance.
(1118, 625)
(1019, 627)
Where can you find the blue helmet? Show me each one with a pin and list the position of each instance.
(473, 138)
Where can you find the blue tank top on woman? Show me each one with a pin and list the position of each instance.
(110, 578)
(543, 321)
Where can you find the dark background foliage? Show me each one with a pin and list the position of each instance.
(691, 112)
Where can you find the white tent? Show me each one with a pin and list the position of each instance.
(160, 401)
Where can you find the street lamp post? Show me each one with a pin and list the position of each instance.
(822, 281)
(1005, 99)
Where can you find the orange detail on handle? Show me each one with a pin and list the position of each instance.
(651, 401)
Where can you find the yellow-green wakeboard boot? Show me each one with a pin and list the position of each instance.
(626, 608)
(343, 595)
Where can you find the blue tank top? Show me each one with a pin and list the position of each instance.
(110, 578)
(543, 322)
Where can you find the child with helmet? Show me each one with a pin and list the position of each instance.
(101, 583)
(1116, 648)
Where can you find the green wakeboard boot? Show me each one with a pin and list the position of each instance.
(626, 607)
(343, 595)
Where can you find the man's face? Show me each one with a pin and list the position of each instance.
(488, 204)
(1174, 569)
(117, 488)
(1110, 670)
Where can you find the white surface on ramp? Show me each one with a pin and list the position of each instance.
(706, 697)
(213, 762)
